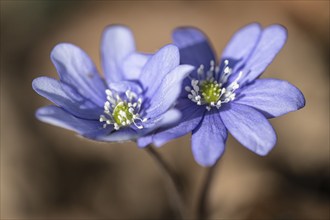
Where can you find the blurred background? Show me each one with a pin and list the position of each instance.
(51, 173)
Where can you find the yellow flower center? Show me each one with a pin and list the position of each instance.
(211, 91)
(122, 115)
(121, 112)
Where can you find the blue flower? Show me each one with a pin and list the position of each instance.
(136, 98)
(229, 96)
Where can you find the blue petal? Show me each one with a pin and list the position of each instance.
(57, 116)
(66, 97)
(242, 43)
(157, 67)
(117, 44)
(168, 91)
(191, 116)
(240, 47)
(144, 141)
(208, 139)
(76, 69)
(123, 134)
(272, 97)
(169, 118)
(249, 127)
(194, 46)
(133, 65)
(123, 86)
(271, 42)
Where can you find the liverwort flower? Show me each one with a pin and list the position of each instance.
(135, 98)
(228, 96)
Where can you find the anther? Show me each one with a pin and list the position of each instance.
(121, 113)
(208, 88)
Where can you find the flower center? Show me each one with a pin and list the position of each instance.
(122, 111)
(122, 115)
(208, 89)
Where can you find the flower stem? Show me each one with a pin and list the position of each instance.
(173, 185)
(202, 213)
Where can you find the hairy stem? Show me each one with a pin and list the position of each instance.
(202, 213)
(173, 185)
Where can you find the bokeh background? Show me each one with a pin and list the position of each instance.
(51, 173)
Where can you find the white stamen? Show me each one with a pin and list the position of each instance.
(108, 92)
(120, 113)
(226, 94)
(187, 88)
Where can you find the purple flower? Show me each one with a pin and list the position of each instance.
(136, 97)
(229, 96)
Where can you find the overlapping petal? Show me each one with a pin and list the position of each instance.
(57, 116)
(272, 97)
(249, 127)
(208, 139)
(271, 42)
(77, 70)
(194, 46)
(123, 86)
(242, 44)
(67, 97)
(168, 91)
(124, 134)
(133, 64)
(191, 117)
(157, 67)
(169, 118)
(116, 45)
(240, 47)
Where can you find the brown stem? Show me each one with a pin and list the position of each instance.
(202, 213)
(173, 185)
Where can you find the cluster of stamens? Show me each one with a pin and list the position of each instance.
(208, 89)
(122, 112)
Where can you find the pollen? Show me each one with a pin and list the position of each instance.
(211, 91)
(122, 110)
(122, 114)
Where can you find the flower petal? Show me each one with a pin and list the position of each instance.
(169, 118)
(239, 48)
(249, 127)
(168, 91)
(144, 141)
(191, 116)
(194, 46)
(76, 69)
(123, 86)
(157, 67)
(66, 97)
(116, 45)
(57, 116)
(272, 97)
(242, 43)
(133, 65)
(195, 49)
(208, 139)
(123, 134)
(271, 42)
